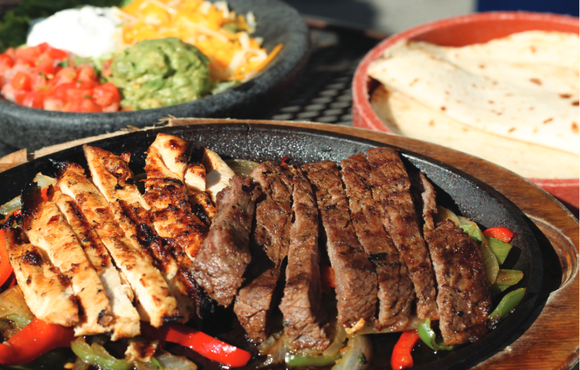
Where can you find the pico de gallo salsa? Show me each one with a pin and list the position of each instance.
(47, 78)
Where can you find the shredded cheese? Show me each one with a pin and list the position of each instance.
(217, 31)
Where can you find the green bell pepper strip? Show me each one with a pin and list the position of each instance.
(507, 304)
(428, 336)
(301, 361)
(96, 355)
(499, 248)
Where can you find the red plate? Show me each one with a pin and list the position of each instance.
(461, 31)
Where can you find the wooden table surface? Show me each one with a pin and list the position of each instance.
(552, 340)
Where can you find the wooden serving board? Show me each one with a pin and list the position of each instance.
(551, 342)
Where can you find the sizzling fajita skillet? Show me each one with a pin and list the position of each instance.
(546, 321)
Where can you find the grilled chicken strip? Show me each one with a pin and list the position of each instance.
(355, 279)
(396, 292)
(218, 172)
(47, 292)
(47, 229)
(463, 298)
(120, 294)
(224, 256)
(166, 194)
(391, 190)
(112, 176)
(156, 304)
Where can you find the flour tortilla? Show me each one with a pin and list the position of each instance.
(508, 87)
(405, 116)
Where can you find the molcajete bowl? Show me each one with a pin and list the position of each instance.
(277, 23)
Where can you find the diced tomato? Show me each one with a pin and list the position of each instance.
(5, 62)
(87, 74)
(33, 100)
(45, 64)
(89, 106)
(11, 52)
(78, 93)
(57, 54)
(21, 81)
(19, 96)
(60, 91)
(65, 75)
(106, 94)
(111, 108)
(40, 82)
(28, 53)
(53, 103)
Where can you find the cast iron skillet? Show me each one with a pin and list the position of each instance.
(277, 23)
(456, 190)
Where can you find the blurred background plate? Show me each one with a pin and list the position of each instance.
(461, 31)
(277, 23)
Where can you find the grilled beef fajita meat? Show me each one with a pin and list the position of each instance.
(463, 298)
(120, 294)
(224, 255)
(301, 304)
(112, 176)
(47, 292)
(355, 279)
(47, 229)
(269, 242)
(156, 304)
(396, 292)
(391, 190)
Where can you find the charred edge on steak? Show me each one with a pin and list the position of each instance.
(224, 255)
(463, 297)
(355, 279)
(391, 191)
(396, 292)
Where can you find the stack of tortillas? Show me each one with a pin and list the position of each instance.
(512, 101)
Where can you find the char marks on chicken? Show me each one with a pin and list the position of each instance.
(269, 244)
(117, 289)
(463, 298)
(301, 304)
(112, 176)
(396, 292)
(391, 190)
(224, 255)
(355, 279)
(47, 292)
(48, 229)
(156, 304)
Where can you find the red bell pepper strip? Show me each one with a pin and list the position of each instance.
(5, 268)
(35, 339)
(502, 233)
(208, 346)
(401, 357)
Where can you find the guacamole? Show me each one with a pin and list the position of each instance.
(158, 73)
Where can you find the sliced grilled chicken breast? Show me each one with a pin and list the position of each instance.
(120, 294)
(218, 173)
(112, 176)
(166, 194)
(47, 292)
(47, 229)
(156, 304)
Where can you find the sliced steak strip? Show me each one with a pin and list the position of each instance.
(396, 292)
(301, 304)
(224, 255)
(391, 190)
(355, 279)
(270, 239)
(463, 298)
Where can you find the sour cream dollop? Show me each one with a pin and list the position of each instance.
(86, 32)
